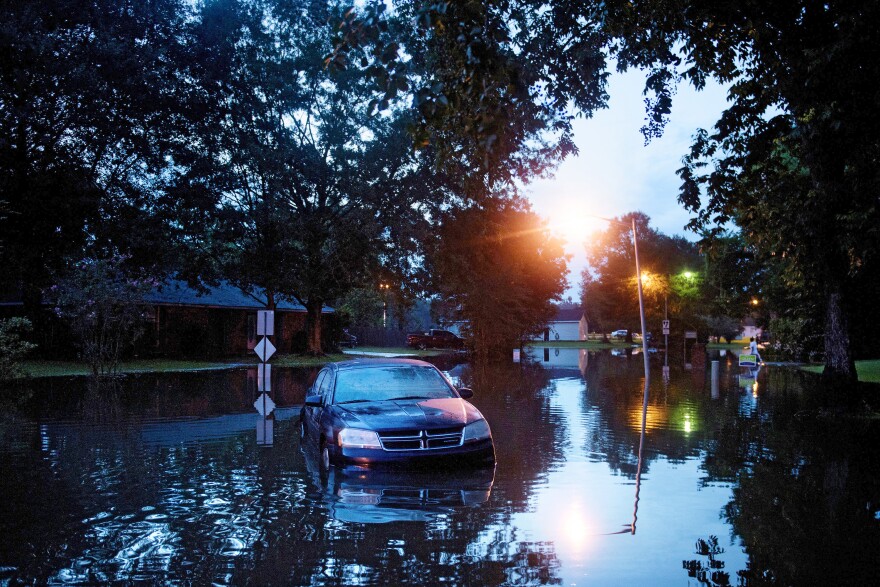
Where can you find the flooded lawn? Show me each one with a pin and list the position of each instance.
(179, 480)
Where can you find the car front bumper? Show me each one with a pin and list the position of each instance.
(479, 452)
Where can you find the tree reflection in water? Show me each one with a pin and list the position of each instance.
(807, 496)
(161, 480)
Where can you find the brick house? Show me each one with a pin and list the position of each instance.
(221, 321)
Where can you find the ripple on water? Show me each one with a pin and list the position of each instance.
(232, 547)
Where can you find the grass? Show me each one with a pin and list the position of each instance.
(868, 371)
(401, 351)
(731, 346)
(67, 368)
(578, 344)
(72, 368)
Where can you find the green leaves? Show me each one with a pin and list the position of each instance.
(498, 255)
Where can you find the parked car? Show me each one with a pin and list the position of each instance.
(619, 334)
(373, 411)
(435, 339)
(347, 339)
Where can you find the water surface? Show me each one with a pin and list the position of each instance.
(179, 480)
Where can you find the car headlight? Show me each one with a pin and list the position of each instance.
(356, 438)
(478, 430)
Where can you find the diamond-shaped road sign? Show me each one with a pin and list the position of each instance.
(264, 349)
(264, 405)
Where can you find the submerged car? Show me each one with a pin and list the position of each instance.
(392, 411)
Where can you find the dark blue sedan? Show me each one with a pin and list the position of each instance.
(370, 411)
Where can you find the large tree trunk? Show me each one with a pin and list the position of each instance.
(313, 326)
(840, 368)
(823, 149)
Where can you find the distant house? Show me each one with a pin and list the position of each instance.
(221, 321)
(568, 324)
(750, 329)
(184, 322)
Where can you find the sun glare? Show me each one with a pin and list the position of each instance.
(573, 224)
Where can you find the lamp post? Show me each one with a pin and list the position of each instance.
(641, 306)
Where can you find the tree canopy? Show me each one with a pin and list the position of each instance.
(792, 160)
(496, 269)
(670, 268)
(94, 98)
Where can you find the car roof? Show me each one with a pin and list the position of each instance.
(362, 363)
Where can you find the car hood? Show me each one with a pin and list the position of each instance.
(406, 414)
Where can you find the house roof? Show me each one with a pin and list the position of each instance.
(568, 315)
(174, 292)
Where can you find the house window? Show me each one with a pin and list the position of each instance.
(251, 331)
(279, 330)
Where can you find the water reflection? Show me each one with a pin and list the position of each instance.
(169, 480)
(370, 497)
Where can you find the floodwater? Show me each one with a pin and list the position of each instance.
(750, 479)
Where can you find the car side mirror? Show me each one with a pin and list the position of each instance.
(465, 392)
(314, 401)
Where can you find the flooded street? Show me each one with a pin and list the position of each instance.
(177, 479)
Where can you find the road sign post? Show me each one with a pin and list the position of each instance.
(264, 404)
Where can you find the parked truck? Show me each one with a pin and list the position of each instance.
(435, 339)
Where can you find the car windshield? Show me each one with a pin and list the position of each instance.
(391, 382)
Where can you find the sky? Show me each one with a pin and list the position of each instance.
(616, 173)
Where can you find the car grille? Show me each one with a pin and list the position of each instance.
(421, 439)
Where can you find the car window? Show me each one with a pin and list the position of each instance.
(316, 386)
(326, 384)
(388, 383)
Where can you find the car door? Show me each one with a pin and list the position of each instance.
(325, 391)
(312, 414)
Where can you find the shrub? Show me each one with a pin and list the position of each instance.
(13, 347)
(103, 304)
(795, 339)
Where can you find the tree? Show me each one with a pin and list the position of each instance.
(490, 83)
(496, 268)
(13, 346)
(799, 141)
(94, 98)
(314, 195)
(797, 181)
(609, 288)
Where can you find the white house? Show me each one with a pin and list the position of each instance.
(569, 324)
(750, 329)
